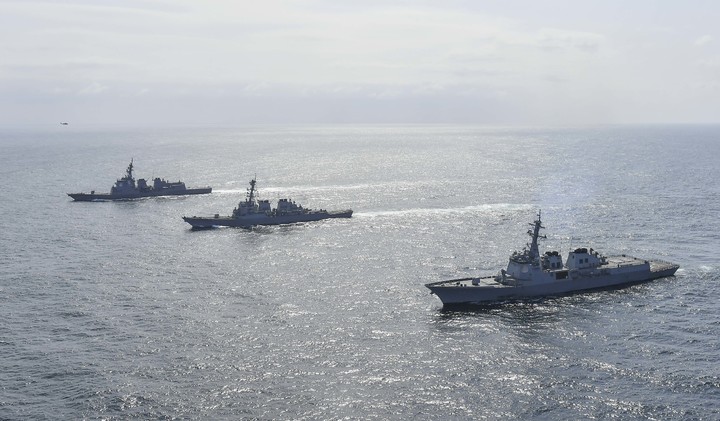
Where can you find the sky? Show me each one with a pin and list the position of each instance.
(238, 62)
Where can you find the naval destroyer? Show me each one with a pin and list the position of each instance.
(253, 211)
(127, 188)
(530, 274)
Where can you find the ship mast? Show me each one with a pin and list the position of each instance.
(128, 172)
(535, 234)
(251, 192)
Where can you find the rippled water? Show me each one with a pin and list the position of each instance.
(118, 310)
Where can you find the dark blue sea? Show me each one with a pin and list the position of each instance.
(118, 310)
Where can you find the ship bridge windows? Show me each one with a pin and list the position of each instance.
(552, 260)
(583, 260)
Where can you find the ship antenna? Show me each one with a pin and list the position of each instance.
(535, 234)
(251, 191)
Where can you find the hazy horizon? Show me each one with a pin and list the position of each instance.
(226, 63)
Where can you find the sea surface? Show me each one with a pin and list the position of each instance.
(118, 310)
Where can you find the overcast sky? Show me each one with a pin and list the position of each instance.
(214, 62)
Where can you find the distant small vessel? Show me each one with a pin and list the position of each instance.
(64, 123)
(252, 211)
(530, 274)
(126, 188)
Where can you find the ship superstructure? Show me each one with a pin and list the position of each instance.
(126, 188)
(253, 211)
(531, 274)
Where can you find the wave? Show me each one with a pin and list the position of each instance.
(341, 187)
(488, 208)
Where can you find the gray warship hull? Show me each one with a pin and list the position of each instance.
(531, 274)
(262, 219)
(487, 290)
(93, 197)
(127, 188)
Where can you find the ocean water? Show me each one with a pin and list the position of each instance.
(117, 310)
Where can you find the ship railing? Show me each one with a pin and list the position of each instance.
(665, 262)
(624, 264)
(657, 265)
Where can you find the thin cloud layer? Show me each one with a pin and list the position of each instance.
(322, 61)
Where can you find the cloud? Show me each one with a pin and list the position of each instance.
(414, 60)
(712, 63)
(93, 88)
(704, 40)
(278, 42)
(558, 39)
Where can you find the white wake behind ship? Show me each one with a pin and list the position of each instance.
(252, 211)
(530, 274)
